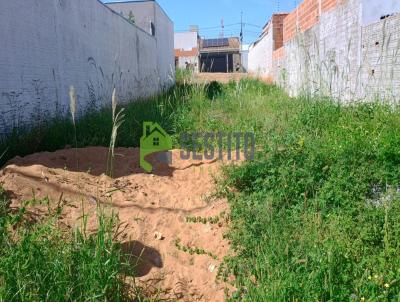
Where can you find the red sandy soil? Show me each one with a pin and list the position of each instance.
(145, 203)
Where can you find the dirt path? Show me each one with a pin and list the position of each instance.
(148, 205)
(206, 77)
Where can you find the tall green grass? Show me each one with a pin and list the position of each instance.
(315, 217)
(44, 261)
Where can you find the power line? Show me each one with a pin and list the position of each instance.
(253, 25)
(225, 25)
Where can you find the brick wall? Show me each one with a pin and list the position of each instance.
(306, 15)
(290, 26)
(327, 5)
(279, 53)
(277, 21)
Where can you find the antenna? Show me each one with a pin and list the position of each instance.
(222, 28)
(241, 27)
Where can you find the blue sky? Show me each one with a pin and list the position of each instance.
(208, 13)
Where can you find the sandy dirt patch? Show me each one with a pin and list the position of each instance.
(148, 205)
(206, 77)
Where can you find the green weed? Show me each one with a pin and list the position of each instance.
(315, 217)
(42, 261)
(193, 250)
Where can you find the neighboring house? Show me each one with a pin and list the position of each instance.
(186, 46)
(220, 55)
(149, 16)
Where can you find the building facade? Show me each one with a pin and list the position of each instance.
(220, 55)
(150, 16)
(187, 53)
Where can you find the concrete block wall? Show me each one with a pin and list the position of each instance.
(54, 44)
(261, 53)
(328, 50)
(380, 73)
(165, 47)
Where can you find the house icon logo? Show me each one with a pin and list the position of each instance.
(154, 139)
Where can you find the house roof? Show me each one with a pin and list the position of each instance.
(232, 42)
(186, 53)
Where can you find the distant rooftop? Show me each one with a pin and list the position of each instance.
(232, 42)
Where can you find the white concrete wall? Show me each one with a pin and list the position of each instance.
(149, 12)
(186, 41)
(188, 62)
(260, 55)
(380, 57)
(165, 47)
(341, 58)
(143, 12)
(48, 45)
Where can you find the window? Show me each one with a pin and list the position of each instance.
(153, 29)
(156, 141)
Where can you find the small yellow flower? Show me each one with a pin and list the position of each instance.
(387, 285)
(369, 277)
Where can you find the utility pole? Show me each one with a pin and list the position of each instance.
(241, 40)
(222, 28)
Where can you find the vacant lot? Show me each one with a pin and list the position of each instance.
(315, 217)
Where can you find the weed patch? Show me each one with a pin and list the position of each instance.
(42, 261)
(315, 217)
